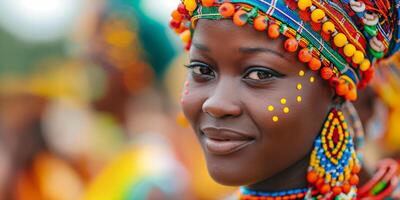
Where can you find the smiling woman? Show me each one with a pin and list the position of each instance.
(273, 114)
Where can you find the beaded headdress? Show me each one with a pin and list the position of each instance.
(341, 39)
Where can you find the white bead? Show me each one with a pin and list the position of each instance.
(357, 6)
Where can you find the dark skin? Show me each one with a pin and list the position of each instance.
(235, 73)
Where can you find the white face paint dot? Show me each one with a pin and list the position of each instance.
(270, 108)
(275, 118)
(283, 101)
(301, 73)
(312, 79)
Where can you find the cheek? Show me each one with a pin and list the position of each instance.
(192, 100)
(291, 117)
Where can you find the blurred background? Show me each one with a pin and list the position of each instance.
(89, 104)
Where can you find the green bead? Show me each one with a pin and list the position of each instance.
(376, 54)
(378, 188)
(371, 30)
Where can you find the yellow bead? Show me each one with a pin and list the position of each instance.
(328, 27)
(283, 101)
(190, 5)
(275, 118)
(301, 73)
(349, 50)
(317, 15)
(299, 86)
(286, 110)
(304, 4)
(271, 108)
(312, 79)
(185, 36)
(358, 57)
(364, 66)
(340, 40)
(299, 99)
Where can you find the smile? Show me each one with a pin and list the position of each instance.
(224, 141)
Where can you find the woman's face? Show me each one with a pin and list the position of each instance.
(255, 108)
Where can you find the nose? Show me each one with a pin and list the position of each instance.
(224, 101)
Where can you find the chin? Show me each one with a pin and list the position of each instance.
(230, 176)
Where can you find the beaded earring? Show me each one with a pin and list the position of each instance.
(334, 166)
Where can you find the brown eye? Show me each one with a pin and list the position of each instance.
(259, 75)
(201, 69)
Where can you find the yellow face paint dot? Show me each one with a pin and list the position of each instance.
(270, 108)
(299, 99)
(283, 101)
(312, 79)
(299, 86)
(275, 118)
(301, 73)
(286, 110)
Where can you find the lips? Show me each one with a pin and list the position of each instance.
(222, 141)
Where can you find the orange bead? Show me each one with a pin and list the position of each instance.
(273, 31)
(176, 16)
(291, 45)
(356, 169)
(226, 10)
(337, 190)
(354, 180)
(293, 196)
(346, 188)
(305, 55)
(207, 3)
(300, 196)
(352, 96)
(325, 189)
(260, 23)
(314, 64)
(342, 89)
(312, 177)
(326, 73)
(240, 18)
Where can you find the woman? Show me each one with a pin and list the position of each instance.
(268, 89)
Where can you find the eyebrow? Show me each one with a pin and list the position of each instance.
(251, 50)
(201, 47)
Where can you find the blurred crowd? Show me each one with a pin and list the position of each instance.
(89, 104)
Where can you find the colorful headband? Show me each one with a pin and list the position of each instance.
(341, 39)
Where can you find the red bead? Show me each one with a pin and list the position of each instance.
(207, 3)
(226, 10)
(174, 24)
(182, 9)
(315, 64)
(240, 18)
(260, 23)
(291, 45)
(326, 73)
(334, 81)
(337, 190)
(305, 55)
(312, 177)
